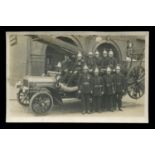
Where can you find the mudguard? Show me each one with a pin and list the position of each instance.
(55, 94)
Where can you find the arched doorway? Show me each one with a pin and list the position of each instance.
(109, 45)
(68, 40)
(71, 39)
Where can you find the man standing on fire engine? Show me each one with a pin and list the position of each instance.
(98, 91)
(90, 62)
(120, 87)
(85, 90)
(104, 62)
(112, 62)
(76, 69)
(97, 60)
(109, 90)
(79, 62)
(66, 66)
(66, 63)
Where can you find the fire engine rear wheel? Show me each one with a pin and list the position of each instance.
(136, 90)
(136, 78)
(136, 74)
(23, 98)
(41, 103)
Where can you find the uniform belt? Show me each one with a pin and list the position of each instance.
(86, 83)
(98, 86)
(108, 85)
(118, 83)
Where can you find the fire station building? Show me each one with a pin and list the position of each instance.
(34, 55)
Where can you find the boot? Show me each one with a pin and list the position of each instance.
(83, 112)
(89, 112)
(120, 109)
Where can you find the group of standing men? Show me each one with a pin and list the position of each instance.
(101, 84)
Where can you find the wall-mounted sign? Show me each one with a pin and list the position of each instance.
(13, 40)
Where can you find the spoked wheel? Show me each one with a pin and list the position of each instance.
(136, 82)
(41, 103)
(23, 98)
(136, 74)
(136, 91)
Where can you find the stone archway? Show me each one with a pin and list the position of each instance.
(71, 39)
(109, 44)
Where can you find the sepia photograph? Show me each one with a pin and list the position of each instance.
(77, 76)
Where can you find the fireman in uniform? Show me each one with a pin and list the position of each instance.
(120, 87)
(90, 62)
(79, 63)
(103, 70)
(85, 90)
(66, 66)
(97, 60)
(104, 62)
(59, 67)
(109, 90)
(98, 91)
(66, 63)
(76, 69)
(112, 62)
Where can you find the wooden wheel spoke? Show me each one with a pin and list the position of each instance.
(141, 72)
(23, 98)
(136, 90)
(41, 102)
(136, 82)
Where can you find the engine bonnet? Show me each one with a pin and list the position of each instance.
(38, 79)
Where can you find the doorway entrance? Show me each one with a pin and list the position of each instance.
(109, 46)
(53, 56)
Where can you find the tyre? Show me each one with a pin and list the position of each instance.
(41, 103)
(23, 98)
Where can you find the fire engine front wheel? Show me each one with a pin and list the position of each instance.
(41, 103)
(23, 98)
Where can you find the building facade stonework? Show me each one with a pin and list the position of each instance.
(30, 57)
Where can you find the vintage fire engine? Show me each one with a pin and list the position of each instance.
(41, 93)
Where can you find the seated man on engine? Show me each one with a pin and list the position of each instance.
(66, 66)
(75, 70)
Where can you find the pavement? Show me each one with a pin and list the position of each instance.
(133, 111)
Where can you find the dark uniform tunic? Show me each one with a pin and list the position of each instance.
(90, 63)
(98, 62)
(66, 66)
(104, 64)
(120, 88)
(85, 86)
(112, 62)
(98, 90)
(66, 63)
(105, 61)
(109, 91)
(76, 70)
(78, 66)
